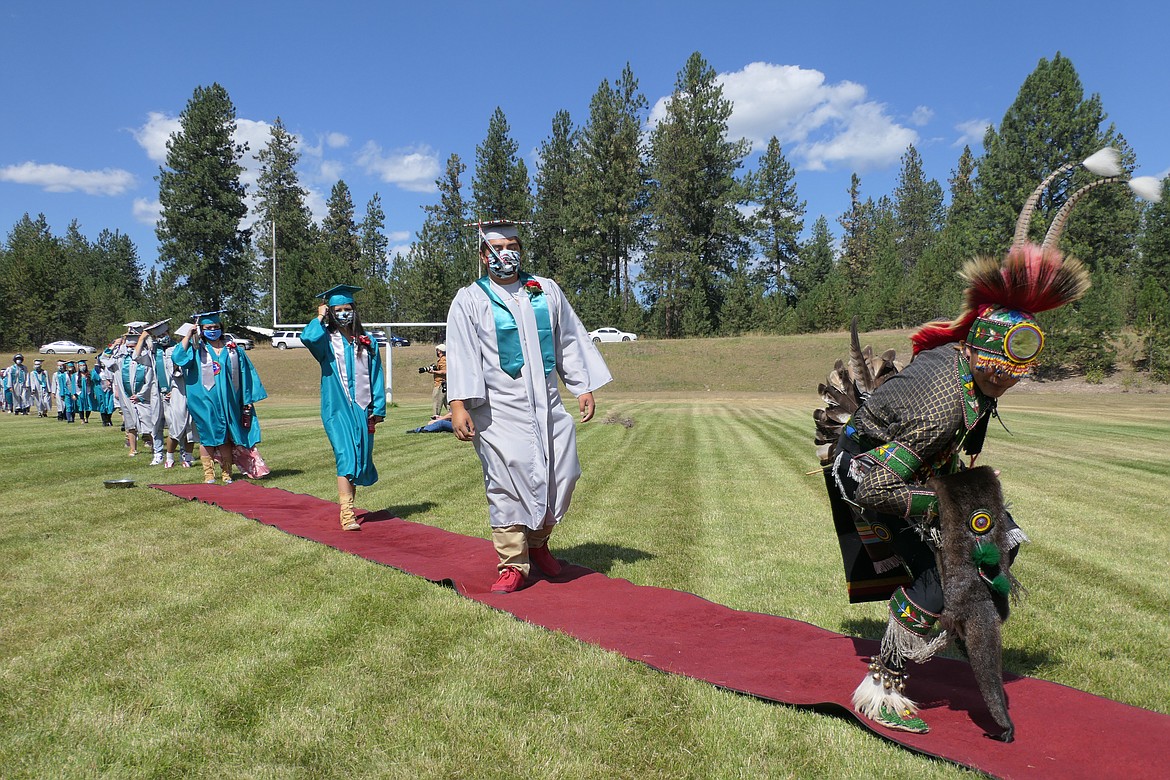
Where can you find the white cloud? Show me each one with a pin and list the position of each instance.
(818, 124)
(413, 170)
(147, 211)
(58, 178)
(154, 134)
(971, 133)
(921, 116)
(336, 140)
(317, 203)
(399, 236)
(330, 170)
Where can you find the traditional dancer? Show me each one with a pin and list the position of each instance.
(353, 392)
(509, 335)
(886, 432)
(222, 389)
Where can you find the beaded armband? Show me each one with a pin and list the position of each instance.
(898, 458)
(923, 505)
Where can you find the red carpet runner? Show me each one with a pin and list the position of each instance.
(1060, 732)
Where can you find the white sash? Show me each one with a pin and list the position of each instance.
(361, 370)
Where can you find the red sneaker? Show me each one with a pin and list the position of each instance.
(510, 581)
(544, 560)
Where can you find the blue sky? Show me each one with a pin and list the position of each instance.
(381, 93)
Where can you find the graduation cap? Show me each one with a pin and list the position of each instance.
(159, 328)
(336, 296)
(209, 317)
(184, 329)
(134, 328)
(493, 230)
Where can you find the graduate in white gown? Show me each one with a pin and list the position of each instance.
(509, 337)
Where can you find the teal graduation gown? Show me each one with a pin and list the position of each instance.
(352, 391)
(220, 383)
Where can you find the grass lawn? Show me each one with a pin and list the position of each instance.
(142, 636)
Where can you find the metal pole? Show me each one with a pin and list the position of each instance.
(274, 320)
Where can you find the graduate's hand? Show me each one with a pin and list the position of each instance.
(321, 310)
(461, 423)
(587, 406)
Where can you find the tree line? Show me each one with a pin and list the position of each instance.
(661, 231)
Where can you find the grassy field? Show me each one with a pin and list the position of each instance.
(146, 637)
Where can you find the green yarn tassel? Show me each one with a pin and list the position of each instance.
(985, 554)
(1001, 584)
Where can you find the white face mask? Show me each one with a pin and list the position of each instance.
(344, 317)
(504, 263)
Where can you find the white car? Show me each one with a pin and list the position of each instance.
(245, 343)
(70, 347)
(287, 339)
(611, 334)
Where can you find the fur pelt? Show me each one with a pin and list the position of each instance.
(976, 579)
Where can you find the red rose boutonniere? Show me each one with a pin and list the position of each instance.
(533, 288)
(231, 345)
(364, 340)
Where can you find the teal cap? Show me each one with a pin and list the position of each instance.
(342, 293)
(209, 317)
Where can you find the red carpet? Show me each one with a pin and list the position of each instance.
(1060, 732)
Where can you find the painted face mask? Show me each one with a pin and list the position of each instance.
(212, 334)
(344, 317)
(505, 263)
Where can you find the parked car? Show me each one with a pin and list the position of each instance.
(396, 341)
(287, 339)
(245, 343)
(611, 334)
(52, 348)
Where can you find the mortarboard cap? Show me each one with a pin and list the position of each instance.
(209, 317)
(134, 328)
(497, 229)
(342, 293)
(184, 329)
(159, 328)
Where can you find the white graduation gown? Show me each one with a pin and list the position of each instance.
(525, 438)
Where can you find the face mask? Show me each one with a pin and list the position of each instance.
(505, 263)
(212, 334)
(344, 317)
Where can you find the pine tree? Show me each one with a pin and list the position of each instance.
(200, 239)
(814, 262)
(284, 227)
(30, 275)
(500, 188)
(443, 259)
(1152, 309)
(607, 202)
(550, 249)
(374, 243)
(857, 239)
(698, 231)
(918, 208)
(778, 221)
(935, 287)
(340, 234)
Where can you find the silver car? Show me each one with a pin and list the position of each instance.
(287, 339)
(70, 347)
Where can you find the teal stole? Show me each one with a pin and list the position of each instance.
(508, 333)
(133, 386)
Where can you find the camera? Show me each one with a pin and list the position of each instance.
(428, 369)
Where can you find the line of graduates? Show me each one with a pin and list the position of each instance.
(73, 390)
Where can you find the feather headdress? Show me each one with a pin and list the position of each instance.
(1002, 299)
